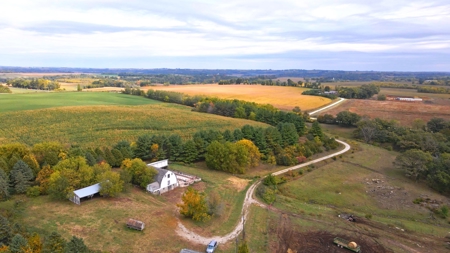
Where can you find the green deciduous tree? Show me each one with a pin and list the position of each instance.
(194, 205)
(414, 162)
(316, 130)
(110, 184)
(141, 174)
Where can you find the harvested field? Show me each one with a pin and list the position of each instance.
(403, 112)
(285, 98)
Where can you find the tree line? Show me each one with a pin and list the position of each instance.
(34, 83)
(229, 108)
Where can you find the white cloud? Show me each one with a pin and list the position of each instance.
(113, 28)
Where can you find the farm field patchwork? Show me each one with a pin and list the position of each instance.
(106, 125)
(403, 112)
(285, 98)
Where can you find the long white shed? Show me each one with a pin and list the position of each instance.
(85, 192)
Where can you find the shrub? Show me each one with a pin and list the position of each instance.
(33, 191)
(368, 216)
(381, 97)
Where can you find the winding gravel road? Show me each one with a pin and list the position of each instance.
(189, 235)
(328, 106)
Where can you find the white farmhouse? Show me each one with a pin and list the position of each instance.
(165, 180)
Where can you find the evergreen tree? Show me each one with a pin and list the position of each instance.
(4, 189)
(247, 132)
(118, 157)
(316, 130)
(288, 133)
(125, 148)
(174, 147)
(90, 159)
(18, 244)
(54, 244)
(109, 157)
(143, 144)
(238, 135)
(228, 136)
(76, 245)
(190, 152)
(20, 176)
(5, 230)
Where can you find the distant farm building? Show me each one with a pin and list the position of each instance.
(401, 98)
(167, 180)
(87, 192)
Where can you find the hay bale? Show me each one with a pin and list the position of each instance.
(352, 245)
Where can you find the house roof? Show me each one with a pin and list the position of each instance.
(161, 173)
(90, 190)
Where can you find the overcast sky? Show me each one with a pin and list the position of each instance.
(401, 35)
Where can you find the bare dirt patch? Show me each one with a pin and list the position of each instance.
(238, 183)
(403, 112)
(318, 241)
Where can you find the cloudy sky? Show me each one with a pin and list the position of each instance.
(401, 35)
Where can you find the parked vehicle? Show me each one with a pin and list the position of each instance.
(342, 243)
(211, 246)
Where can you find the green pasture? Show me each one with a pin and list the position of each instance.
(42, 100)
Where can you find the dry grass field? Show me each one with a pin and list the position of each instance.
(285, 98)
(403, 112)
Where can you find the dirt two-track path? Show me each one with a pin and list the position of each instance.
(191, 236)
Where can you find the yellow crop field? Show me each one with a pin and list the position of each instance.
(105, 125)
(285, 98)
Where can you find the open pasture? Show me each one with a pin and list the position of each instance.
(106, 125)
(364, 183)
(402, 111)
(285, 98)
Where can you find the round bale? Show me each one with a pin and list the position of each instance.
(352, 245)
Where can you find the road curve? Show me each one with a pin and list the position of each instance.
(328, 106)
(189, 235)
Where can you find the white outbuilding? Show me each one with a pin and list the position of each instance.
(165, 180)
(87, 192)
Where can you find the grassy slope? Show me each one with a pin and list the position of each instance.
(32, 101)
(342, 187)
(115, 117)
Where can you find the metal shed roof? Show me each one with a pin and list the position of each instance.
(90, 190)
(160, 164)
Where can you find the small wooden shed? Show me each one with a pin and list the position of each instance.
(135, 224)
